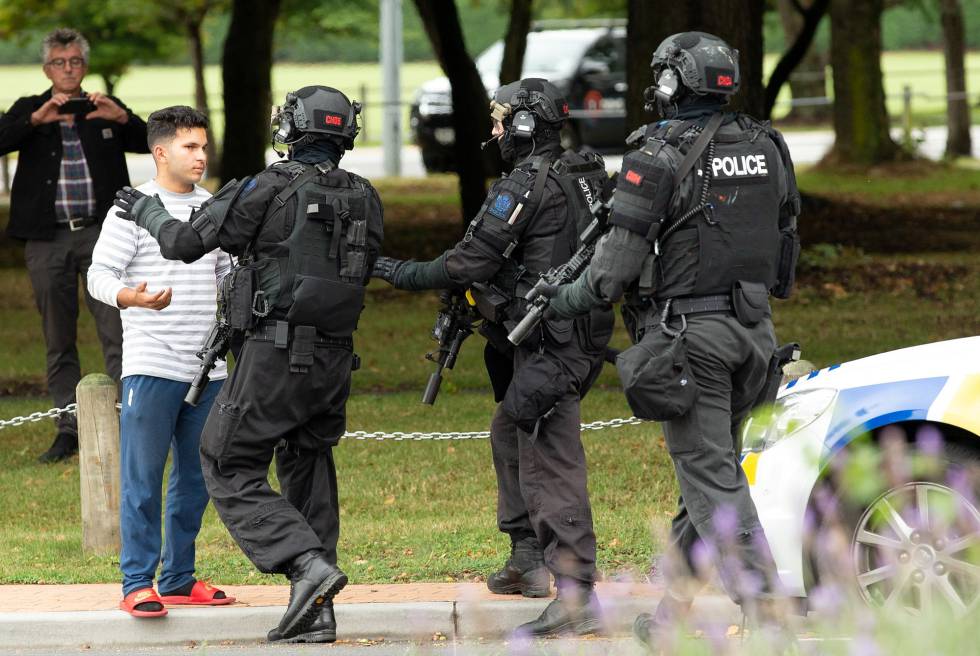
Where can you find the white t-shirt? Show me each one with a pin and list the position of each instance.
(159, 343)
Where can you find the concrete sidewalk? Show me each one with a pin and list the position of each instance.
(87, 615)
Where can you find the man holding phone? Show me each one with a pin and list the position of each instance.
(72, 159)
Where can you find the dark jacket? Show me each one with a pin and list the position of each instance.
(35, 183)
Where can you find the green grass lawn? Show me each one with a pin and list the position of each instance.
(425, 510)
(896, 185)
(410, 510)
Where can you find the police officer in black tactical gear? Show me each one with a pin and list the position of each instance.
(306, 235)
(703, 231)
(530, 222)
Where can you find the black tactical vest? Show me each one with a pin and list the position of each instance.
(737, 237)
(316, 275)
(580, 176)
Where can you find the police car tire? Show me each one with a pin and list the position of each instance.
(848, 512)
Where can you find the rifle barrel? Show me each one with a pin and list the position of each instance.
(432, 387)
(527, 324)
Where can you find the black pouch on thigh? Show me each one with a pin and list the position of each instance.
(537, 386)
(750, 300)
(656, 376)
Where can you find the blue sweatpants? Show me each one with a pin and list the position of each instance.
(155, 420)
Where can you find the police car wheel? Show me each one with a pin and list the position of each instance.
(913, 536)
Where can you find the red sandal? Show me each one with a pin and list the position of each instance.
(202, 594)
(147, 596)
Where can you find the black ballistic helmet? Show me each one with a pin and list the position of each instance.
(699, 62)
(533, 94)
(315, 110)
(532, 111)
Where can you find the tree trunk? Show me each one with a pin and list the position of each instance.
(957, 108)
(515, 41)
(860, 117)
(469, 99)
(193, 29)
(246, 73)
(649, 22)
(802, 65)
(110, 83)
(192, 26)
(739, 23)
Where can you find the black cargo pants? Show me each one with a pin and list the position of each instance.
(729, 362)
(542, 479)
(262, 405)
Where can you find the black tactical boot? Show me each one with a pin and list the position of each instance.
(64, 446)
(654, 629)
(313, 583)
(323, 629)
(576, 610)
(524, 572)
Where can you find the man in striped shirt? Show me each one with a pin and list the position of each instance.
(168, 307)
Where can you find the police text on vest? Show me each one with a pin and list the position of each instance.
(742, 165)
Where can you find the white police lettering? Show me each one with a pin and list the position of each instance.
(584, 184)
(742, 166)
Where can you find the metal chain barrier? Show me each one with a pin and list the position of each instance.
(70, 409)
(397, 436)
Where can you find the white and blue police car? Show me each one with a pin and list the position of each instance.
(913, 532)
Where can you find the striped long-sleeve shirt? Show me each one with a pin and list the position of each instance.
(159, 343)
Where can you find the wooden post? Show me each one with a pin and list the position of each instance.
(98, 455)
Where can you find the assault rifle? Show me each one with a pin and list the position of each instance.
(453, 325)
(537, 299)
(215, 347)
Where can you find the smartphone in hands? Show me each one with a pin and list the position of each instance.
(77, 106)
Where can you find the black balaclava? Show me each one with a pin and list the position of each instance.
(316, 151)
(700, 106)
(687, 105)
(514, 149)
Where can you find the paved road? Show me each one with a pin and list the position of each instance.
(806, 147)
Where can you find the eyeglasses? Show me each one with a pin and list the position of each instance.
(76, 62)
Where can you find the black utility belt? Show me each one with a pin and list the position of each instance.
(714, 304)
(76, 224)
(748, 302)
(281, 333)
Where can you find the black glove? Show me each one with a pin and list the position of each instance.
(125, 199)
(387, 268)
